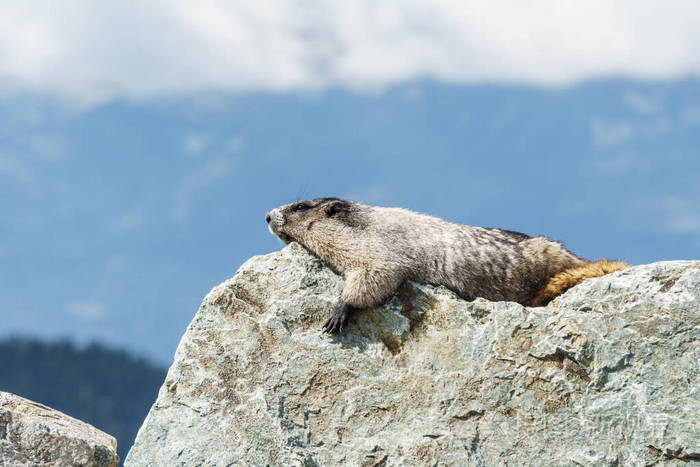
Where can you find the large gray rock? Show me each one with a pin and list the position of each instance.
(33, 434)
(605, 375)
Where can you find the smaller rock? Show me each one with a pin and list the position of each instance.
(32, 434)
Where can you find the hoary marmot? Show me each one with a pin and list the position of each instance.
(377, 248)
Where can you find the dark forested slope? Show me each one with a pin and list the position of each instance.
(110, 389)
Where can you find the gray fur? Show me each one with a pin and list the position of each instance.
(377, 248)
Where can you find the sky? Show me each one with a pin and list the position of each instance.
(141, 143)
(93, 52)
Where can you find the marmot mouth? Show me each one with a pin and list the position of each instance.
(285, 238)
(281, 235)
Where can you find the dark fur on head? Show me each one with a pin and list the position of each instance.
(292, 222)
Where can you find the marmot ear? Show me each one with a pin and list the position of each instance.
(333, 208)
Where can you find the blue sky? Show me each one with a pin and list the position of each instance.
(142, 143)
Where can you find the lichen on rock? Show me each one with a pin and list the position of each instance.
(34, 434)
(607, 374)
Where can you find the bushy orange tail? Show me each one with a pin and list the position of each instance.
(563, 281)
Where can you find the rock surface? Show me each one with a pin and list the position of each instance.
(33, 434)
(607, 374)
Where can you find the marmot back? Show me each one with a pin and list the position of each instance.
(377, 248)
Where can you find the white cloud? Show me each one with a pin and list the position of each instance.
(86, 309)
(690, 117)
(14, 169)
(191, 185)
(682, 214)
(117, 263)
(97, 50)
(621, 163)
(607, 133)
(195, 143)
(130, 220)
(643, 104)
(235, 144)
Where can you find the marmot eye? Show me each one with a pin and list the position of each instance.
(300, 207)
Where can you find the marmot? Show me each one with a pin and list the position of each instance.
(377, 248)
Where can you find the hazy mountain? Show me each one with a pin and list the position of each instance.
(118, 219)
(110, 389)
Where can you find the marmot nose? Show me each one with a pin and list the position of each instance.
(267, 217)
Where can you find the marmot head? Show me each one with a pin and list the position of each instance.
(301, 220)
